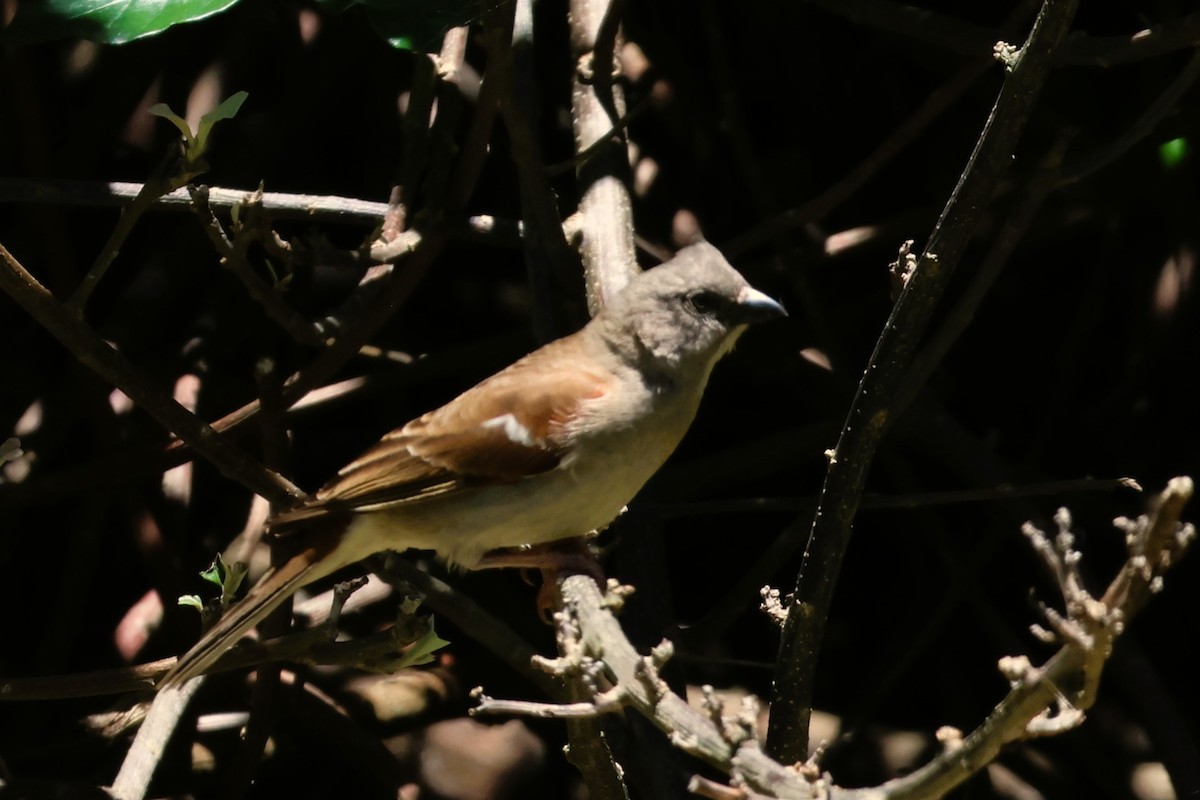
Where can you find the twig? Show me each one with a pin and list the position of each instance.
(1078, 169)
(918, 24)
(151, 740)
(280, 205)
(617, 130)
(118, 193)
(593, 644)
(510, 67)
(1154, 541)
(1112, 51)
(140, 677)
(956, 36)
(422, 246)
(315, 646)
(1024, 211)
(160, 183)
(490, 705)
(107, 362)
(484, 628)
(870, 412)
(233, 256)
(905, 134)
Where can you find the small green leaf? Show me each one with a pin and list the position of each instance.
(164, 111)
(197, 143)
(1172, 153)
(421, 651)
(192, 600)
(235, 573)
(226, 110)
(214, 573)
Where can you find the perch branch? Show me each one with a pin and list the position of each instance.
(1043, 701)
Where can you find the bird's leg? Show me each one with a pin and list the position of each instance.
(552, 558)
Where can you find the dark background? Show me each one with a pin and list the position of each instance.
(1079, 363)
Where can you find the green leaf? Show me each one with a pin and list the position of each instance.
(235, 573)
(411, 24)
(214, 573)
(1172, 153)
(227, 110)
(108, 21)
(164, 111)
(192, 600)
(197, 144)
(421, 651)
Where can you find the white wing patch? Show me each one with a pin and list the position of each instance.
(513, 429)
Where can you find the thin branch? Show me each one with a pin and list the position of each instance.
(151, 740)
(116, 193)
(871, 410)
(596, 650)
(509, 43)
(1023, 212)
(476, 621)
(138, 678)
(1078, 169)
(106, 361)
(905, 134)
(233, 256)
(1112, 51)
(956, 36)
(169, 176)
(421, 248)
(1155, 541)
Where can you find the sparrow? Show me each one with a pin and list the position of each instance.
(551, 447)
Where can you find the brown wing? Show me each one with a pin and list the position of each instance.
(510, 426)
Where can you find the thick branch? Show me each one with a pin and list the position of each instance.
(871, 410)
(604, 220)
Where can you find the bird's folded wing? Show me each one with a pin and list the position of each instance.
(513, 425)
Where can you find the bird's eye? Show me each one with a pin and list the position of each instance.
(704, 302)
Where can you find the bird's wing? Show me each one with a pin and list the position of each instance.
(514, 424)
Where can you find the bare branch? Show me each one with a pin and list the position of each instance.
(107, 362)
(872, 409)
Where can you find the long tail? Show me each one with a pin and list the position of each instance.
(271, 590)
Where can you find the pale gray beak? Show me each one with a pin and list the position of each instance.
(754, 306)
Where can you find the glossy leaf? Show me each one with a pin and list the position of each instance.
(108, 21)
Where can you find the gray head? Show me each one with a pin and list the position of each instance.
(690, 309)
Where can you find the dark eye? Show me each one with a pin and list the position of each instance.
(704, 303)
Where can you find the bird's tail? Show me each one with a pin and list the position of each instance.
(272, 589)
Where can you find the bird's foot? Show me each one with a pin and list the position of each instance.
(569, 556)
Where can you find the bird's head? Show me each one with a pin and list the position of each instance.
(687, 312)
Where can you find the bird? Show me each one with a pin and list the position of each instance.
(549, 448)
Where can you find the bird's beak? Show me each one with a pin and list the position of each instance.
(754, 306)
